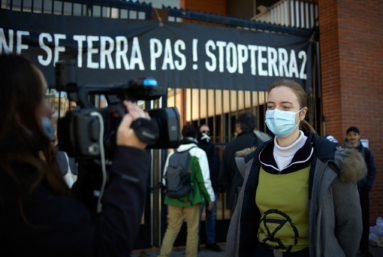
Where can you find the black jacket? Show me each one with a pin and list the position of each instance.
(229, 176)
(334, 216)
(214, 162)
(62, 226)
(370, 162)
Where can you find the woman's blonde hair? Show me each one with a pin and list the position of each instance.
(302, 99)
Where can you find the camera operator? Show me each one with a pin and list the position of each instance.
(38, 215)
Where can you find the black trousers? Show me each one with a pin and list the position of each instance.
(365, 205)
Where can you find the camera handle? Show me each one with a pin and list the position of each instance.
(81, 97)
(102, 155)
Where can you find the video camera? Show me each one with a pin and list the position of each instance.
(79, 131)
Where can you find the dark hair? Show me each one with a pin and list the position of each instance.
(302, 99)
(189, 131)
(247, 121)
(22, 139)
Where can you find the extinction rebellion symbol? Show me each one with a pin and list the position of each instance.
(282, 221)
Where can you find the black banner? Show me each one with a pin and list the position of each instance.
(178, 55)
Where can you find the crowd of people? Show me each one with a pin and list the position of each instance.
(290, 193)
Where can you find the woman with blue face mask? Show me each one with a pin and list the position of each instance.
(299, 196)
(39, 214)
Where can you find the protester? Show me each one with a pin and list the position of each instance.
(364, 185)
(38, 216)
(299, 197)
(229, 177)
(189, 205)
(214, 162)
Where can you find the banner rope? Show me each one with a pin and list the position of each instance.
(159, 18)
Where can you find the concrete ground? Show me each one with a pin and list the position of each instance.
(180, 252)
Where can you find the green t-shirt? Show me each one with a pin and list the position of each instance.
(282, 200)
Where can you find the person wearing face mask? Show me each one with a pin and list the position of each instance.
(38, 214)
(211, 151)
(66, 164)
(299, 197)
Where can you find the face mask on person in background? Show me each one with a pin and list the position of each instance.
(204, 137)
(48, 127)
(281, 123)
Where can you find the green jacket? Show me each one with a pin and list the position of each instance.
(202, 191)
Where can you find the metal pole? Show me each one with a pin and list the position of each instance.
(207, 107)
(237, 95)
(214, 118)
(229, 115)
(174, 96)
(223, 134)
(191, 106)
(244, 100)
(251, 102)
(199, 107)
(259, 113)
(264, 109)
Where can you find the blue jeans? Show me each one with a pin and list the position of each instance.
(209, 223)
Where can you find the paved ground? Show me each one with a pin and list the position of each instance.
(180, 252)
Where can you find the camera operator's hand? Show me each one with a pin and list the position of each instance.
(125, 134)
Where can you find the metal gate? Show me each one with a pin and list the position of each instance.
(219, 110)
(216, 108)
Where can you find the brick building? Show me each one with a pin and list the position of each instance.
(352, 62)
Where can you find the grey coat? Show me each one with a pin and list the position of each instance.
(335, 221)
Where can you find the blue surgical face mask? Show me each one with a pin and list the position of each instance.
(281, 123)
(48, 127)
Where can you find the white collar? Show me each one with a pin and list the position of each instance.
(291, 149)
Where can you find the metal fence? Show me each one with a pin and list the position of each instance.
(104, 9)
(293, 13)
(219, 109)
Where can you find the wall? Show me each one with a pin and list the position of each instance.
(211, 6)
(351, 36)
(244, 9)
